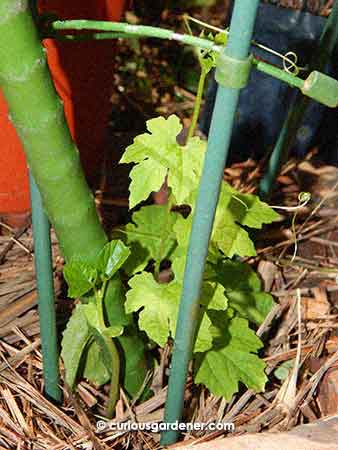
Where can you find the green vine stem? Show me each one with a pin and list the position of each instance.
(198, 102)
(115, 377)
(115, 357)
(90, 36)
(99, 296)
(201, 83)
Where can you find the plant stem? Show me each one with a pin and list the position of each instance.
(92, 36)
(198, 102)
(99, 307)
(115, 377)
(115, 357)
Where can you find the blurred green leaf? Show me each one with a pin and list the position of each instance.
(111, 258)
(80, 276)
(94, 368)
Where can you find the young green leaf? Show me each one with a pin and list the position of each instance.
(150, 236)
(213, 297)
(159, 303)
(159, 306)
(254, 306)
(74, 341)
(235, 210)
(227, 235)
(111, 258)
(232, 213)
(135, 365)
(159, 154)
(178, 265)
(249, 210)
(212, 293)
(94, 368)
(114, 303)
(243, 290)
(232, 360)
(104, 350)
(92, 316)
(80, 276)
(221, 38)
(232, 240)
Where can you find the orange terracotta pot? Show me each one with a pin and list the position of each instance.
(83, 76)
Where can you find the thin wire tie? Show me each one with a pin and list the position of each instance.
(290, 58)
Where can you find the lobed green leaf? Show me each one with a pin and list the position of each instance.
(232, 360)
(150, 236)
(158, 154)
(158, 308)
(243, 290)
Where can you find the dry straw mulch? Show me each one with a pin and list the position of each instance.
(307, 334)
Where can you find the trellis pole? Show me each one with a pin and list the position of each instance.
(320, 59)
(233, 73)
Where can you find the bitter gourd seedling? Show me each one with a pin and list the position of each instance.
(87, 337)
(225, 350)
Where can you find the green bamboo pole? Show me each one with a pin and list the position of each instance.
(45, 289)
(321, 58)
(238, 46)
(37, 113)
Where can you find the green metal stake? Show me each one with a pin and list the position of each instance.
(238, 46)
(46, 300)
(288, 133)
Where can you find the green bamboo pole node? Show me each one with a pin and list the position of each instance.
(238, 46)
(321, 57)
(46, 299)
